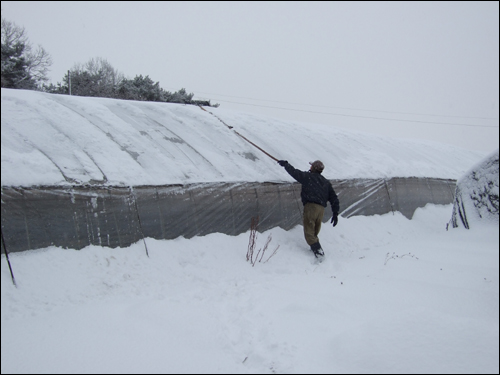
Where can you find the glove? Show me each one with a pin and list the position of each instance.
(335, 219)
(282, 162)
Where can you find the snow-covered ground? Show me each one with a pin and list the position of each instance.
(393, 296)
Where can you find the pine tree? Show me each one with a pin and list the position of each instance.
(21, 66)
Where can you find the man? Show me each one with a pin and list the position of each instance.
(316, 192)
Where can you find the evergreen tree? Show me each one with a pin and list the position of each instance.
(55, 89)
(181, 96)
(22, 67)
(140, 88)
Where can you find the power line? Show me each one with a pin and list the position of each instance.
(356, 109)
(365, 117)
(345, 108)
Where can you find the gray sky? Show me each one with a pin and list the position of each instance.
(389, 68)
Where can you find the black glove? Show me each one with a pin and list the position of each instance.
(282, 162)
(335, 219)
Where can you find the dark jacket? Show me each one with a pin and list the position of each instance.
(315, 188)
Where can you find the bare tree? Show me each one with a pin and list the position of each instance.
(22, 66)
(96, 77)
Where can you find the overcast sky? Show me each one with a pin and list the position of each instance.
(399, 68)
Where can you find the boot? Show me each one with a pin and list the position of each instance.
(317, 250)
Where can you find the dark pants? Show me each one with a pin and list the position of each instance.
(313, 216)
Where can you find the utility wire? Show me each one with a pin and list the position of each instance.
(366, 117)
(345, 108)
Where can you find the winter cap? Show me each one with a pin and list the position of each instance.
(317, 166)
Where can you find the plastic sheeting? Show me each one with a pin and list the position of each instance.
(75, 217)
(476, 194)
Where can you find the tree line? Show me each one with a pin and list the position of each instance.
(26, 67)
